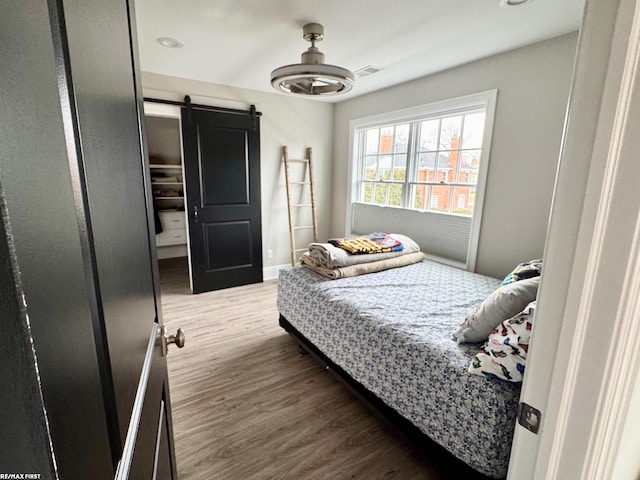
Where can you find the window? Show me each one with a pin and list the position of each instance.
(423, 164)
(429, 163)
(434, 202)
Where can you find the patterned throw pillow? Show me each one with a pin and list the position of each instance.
(524, 270)
(504, 303)
(504, 354)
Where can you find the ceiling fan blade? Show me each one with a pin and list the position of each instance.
(301, 87)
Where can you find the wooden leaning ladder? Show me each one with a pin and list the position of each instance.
(295, 208)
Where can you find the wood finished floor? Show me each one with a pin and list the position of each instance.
(248, 406)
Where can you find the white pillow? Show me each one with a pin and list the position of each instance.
(504, 303)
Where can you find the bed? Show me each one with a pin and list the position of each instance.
(389, 336)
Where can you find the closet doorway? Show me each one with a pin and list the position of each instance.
(166, 170)
(204, 165)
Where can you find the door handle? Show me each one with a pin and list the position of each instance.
(195, 214)
(178, 339)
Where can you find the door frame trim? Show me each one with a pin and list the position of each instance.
(169, 110)
(124, 465)
(158, 440)
(611, 235)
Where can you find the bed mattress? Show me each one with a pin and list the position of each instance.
(391, 331)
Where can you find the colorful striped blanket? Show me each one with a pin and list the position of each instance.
(367, 244)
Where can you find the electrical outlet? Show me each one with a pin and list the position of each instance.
(269, 253)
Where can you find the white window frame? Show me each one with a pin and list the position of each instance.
(486, 99)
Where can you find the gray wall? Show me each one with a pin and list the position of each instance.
(297, 123)
(533, 87)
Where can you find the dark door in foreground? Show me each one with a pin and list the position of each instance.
(77, 232)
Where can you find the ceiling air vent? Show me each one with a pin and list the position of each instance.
(368, 70)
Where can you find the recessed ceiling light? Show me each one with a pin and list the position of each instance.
(169, 42)
(513, 3)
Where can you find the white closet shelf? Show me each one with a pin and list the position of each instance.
(157, 165)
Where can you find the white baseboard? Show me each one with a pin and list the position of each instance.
(269, 273)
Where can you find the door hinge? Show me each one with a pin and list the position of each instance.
(529, 417)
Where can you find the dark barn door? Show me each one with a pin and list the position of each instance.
(222, 176)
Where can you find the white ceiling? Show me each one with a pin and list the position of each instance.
(239, 42)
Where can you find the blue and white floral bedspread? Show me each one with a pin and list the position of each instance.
(391, 331)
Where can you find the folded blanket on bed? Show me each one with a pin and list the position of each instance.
(360, 269)
(330, 256)
(368, 244)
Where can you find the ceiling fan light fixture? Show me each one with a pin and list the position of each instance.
(312, 77)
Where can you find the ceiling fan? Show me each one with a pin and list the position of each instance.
(312, 76)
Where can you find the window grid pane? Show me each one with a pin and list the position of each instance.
(444, 163)
(380, 194)
(395, 195)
